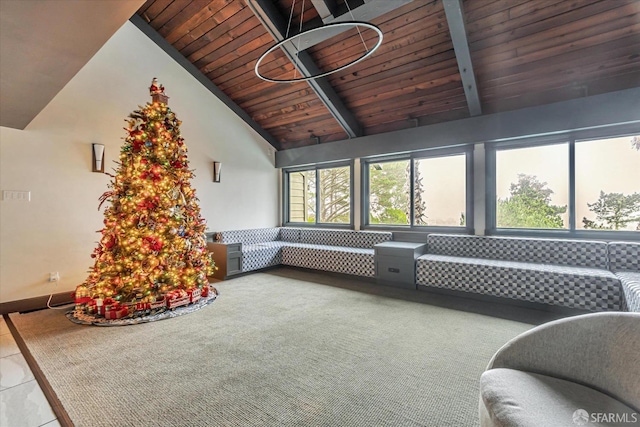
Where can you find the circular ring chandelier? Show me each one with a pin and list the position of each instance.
(353, 24)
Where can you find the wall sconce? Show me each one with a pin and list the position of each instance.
(217, 167)
(97, 157)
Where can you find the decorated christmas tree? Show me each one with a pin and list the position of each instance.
(152, 254)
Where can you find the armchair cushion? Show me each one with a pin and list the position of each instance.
(523, 399)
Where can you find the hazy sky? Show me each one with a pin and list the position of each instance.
(610, 165)
(443, 181)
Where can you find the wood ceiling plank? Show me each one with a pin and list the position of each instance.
(442, 60)
(561, 54)
(155, 9)
(233, 60)
(313, 114)
(456, 114)
(280, 98)
(593, 23)
(431, 21)
(615, 21)
(147, 4)
(244, 76)
(560, 15)
(572, 74)
(557, 94)
(184, 16)
(419, 45)
(429, 85)
(292, 110)
(433, 108)
(169, 12)
(408, 100)
(274, 94)
(474, 10)
(407, 80)
(183, 44)
(194, 21)
(238, 26)
(226, 45)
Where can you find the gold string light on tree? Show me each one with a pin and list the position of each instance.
(153, 249)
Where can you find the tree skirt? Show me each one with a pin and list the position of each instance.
(82, 318)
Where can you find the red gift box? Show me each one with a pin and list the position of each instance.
(177, 298)
(116, 311)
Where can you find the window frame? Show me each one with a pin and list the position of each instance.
(466, 150)
(317, 168)
(571, 139)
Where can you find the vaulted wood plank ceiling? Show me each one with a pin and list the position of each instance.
(520, 52)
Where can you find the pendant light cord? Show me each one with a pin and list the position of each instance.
(357, 27)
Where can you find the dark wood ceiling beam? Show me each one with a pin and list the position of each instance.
(276, 25)
(455, 19)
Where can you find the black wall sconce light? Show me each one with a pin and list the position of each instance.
(97, 157)
(217, 167)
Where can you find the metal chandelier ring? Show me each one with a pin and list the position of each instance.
(354, 24)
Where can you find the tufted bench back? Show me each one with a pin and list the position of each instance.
(249, 237)
(580, 253)
(624, 256)
(347, 238)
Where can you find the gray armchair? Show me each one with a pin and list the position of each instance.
(582, 370)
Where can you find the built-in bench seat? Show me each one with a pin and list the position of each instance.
(577, 274)
(557, 272)
(624, 261)
(340, 251)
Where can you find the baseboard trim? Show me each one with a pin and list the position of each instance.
(36, 303)
(61, 414)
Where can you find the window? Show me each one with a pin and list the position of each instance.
(389, 193)
(425, 189)
(580, 186)
(608, 184)
(440, 191)
(302, 196)
(532, 186)
(318, 195)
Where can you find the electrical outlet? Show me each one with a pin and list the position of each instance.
(54, 276)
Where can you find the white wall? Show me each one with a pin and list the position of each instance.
(56, 231)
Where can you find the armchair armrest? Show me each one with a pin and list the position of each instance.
(600, 350)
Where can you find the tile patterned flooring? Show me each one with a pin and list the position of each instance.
(22, 403)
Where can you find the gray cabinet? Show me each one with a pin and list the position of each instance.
(228, 259)
(396, 263)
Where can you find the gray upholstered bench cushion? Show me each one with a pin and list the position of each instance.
(575, 287)
(523, 399)
(261, 255)
(339, 259)
(630, 281)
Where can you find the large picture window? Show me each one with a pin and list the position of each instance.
(319, 195)
(532, 187)
(608, 184)
(578, 186)
(418, 190)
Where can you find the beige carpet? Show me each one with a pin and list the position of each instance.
(281, 348)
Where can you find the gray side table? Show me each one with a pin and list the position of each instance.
(396, 263)
(228, 259)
